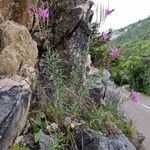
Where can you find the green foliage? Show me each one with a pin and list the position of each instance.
(99, 50)
(38, 124)
(55, 75)
(135, 50)
(41, 123)
(137, 74)
(98, 118)
(134, 33)
(58, 141)
(68, 95)
(117, 71)
(69, 102)
(17, 147)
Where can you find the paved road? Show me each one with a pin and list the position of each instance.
(140, 113)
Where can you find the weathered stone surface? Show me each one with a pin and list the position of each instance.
(69, 26)
(77, 42)
(6, 8)
(27, 141)
(88, 139)
(105, 89)
(45, 141)
(18, 56)
(17, 48)
(15, 96)
(16, 10)
(68, 32)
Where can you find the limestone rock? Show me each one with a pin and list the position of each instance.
(88, 139)
(17, 48)
(104, 89)
(15, 96)
(45, 141)
(106, 76)
(18, 56)
(6, 8)
(16, 10)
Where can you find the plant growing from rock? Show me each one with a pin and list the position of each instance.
(40, 15)
(69, 104)
(66, 100)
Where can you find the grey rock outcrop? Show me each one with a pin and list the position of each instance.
(68, 32)
(45, 141)
(88, 139)
(69, 28)
(104, 90)
(15, 96)
(18, 56)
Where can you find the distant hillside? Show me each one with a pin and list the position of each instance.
(134, 39)
(134, 65)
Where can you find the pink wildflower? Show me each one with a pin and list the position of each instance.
(43, 13)
(108, 12)
(104, 37)
(134, 96)
(114, 52)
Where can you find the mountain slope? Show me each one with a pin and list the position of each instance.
(134, 44)
(134, 39)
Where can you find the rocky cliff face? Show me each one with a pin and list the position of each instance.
(68, 28)
(67, 32)
(18, 56)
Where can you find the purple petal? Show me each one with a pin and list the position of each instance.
(134, 96)
(43, 13)
(104, 37)
(109, 12)
(114, 52)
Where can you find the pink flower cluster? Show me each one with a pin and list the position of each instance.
(108, 12)
(134, 96)
(104, 37)
(42, 12)
(114, 52)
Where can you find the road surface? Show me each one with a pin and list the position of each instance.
(140, 114)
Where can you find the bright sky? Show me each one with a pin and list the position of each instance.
(126, 12)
